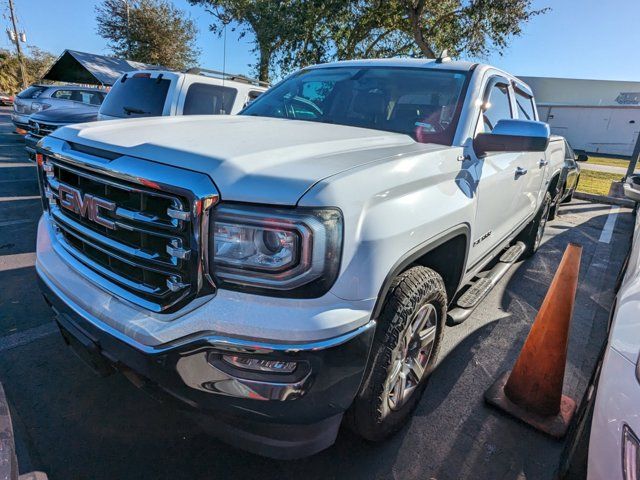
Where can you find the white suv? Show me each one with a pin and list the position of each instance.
(152, 93)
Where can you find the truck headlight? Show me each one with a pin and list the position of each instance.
(296, 252)
(630, 454)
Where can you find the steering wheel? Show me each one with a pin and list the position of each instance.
(291, 112)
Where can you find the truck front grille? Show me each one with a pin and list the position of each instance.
(142, 239)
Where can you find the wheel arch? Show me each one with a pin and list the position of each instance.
(554, 183)
(446, 254)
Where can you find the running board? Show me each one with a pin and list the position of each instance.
(470, 299)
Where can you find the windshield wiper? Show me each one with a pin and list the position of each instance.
(130, 110)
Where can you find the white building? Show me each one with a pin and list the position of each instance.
(598, 116)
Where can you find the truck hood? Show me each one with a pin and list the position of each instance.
(250, 159)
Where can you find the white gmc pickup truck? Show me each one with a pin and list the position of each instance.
(298, 264)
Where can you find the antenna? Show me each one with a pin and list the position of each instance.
(224, 53)
(443, 57)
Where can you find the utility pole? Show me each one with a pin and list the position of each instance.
(23, 70)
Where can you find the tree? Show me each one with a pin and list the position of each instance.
(149, 31)
(471, 27)
(290, 34)
(37, 62)
(266, 20)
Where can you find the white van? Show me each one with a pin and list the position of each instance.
(152, 93)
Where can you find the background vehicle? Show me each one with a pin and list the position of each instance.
(37, 98)
(45, 122)
(569, 178)
(281, 267)
(6, 99)
(152, 93)
(608, 425)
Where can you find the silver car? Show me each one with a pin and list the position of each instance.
(37, 98)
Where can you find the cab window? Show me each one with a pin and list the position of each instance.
(497, 107)
(525, 106)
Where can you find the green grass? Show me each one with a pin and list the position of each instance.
(596, 183)
(609, 162)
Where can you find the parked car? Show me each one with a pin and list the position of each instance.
(6, 99)
(37, 98)
(569, 178)
(152, 93)
(608, 423)
(43, 123)
(279, 269)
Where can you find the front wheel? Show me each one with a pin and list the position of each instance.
(532, 235)
(405, 348)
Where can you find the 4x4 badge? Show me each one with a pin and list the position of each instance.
(87, 206)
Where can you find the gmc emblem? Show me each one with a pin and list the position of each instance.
(88, 206)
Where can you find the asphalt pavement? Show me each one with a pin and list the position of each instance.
(74, 425)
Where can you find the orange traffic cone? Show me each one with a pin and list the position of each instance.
(532, 391)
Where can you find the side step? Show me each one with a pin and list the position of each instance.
(470, 299)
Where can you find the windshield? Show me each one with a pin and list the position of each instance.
(420, 102)
(136, 97)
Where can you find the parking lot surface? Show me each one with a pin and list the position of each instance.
(74, 425)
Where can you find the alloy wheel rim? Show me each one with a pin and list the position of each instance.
(411, 357)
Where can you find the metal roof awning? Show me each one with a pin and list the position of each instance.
(81, 67)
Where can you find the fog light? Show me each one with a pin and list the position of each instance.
(630, 454)
(258, 365)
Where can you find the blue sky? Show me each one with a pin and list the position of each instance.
(578, 38)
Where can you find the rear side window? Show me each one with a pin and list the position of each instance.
(136, 97)
(204, 99)
(92, 98)
(498, 107)
(525, 106)
(32, 92)
(65, 94)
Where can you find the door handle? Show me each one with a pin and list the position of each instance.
(521, 171)
(543, 162)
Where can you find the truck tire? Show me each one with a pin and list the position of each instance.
(532, 235)
(404, 350)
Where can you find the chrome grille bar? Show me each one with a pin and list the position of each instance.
(142, 235)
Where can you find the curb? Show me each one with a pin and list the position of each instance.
(623, 202)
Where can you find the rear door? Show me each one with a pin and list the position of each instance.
(500, 187)
(534, 162)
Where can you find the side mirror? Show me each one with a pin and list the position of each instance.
(582, 157)
(632, 187)
(513, 136)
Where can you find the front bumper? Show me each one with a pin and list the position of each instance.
(30, 142)
(20, 120)
(285, 417)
